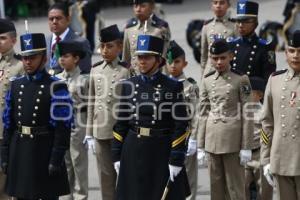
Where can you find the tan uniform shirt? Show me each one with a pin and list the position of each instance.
(10, 67)
(155, 26)
(223, 27)
(223, 126)
(280, 123)
(103, 95)
(78, 86)
(191, 96)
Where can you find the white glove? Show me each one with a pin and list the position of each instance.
(201, 156)
(268, 175)
(192, 147)
(117, 166)
(174, 171)
(89, 143)
(245, 156)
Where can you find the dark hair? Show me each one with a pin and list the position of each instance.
(61, 6)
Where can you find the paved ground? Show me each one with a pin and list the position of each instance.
(178, 17)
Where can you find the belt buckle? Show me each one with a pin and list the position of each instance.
(26, 130)
(144, 131)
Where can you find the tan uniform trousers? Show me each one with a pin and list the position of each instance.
(227, 177)
(254, 173)
(106, 171)
(76, 160)
(288, 187)
(191, 165)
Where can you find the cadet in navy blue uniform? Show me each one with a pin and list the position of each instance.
(37, 121)
(252, 55)
(151, 130)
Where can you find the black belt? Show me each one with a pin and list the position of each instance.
(38, 130)
(150, 132)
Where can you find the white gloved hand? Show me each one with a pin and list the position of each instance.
(245, 156)
(192, 147)
(117, 166)
(89, 143)
(174, 171)
(268, 175)
(201, 156)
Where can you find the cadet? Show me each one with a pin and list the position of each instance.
(149, 141)
(176, 65)
(37, 121)
(10, 66)
(221, 26)
(103, 92)
(226, 128)
(146, 22)
(253, 171)
(251, 54)
(76, 158)
(280, 153)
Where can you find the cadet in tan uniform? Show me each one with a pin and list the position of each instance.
(226, 128)
(219, 26)
(76, 158)
(103, 94)
(253, 171)
(10, 66)
(146, 22)
(176, 65)
(280, 137)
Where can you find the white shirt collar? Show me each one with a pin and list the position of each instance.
(62, 36)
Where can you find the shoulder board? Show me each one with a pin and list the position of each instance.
(17, 56)
(124, 64)
(208, 21)
(191, 80)
(54, 78)
(97, 63)
(279, 72)
(210, 73)
(130, 23)
(263, 42)
(13, 78)
(157, 22)
(236, 71)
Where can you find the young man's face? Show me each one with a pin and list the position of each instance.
(221, 62)
(68, 61)
(246, 27)
(177, 66)
(143, 11)
(110, 50)
(7, 42)
(257, 95)
(57, 21)
(220, 7)
(148, 64)
(293, 57)
(33, 62)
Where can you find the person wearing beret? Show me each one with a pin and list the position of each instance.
(145, 22)
(76, 158)
(252, 55)
(280, 142)
(226, 125)
(176, 63)
(37, 122)
(103, 96)
(150, 133)
(59, 22)
(256, 185)
(10, 66)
